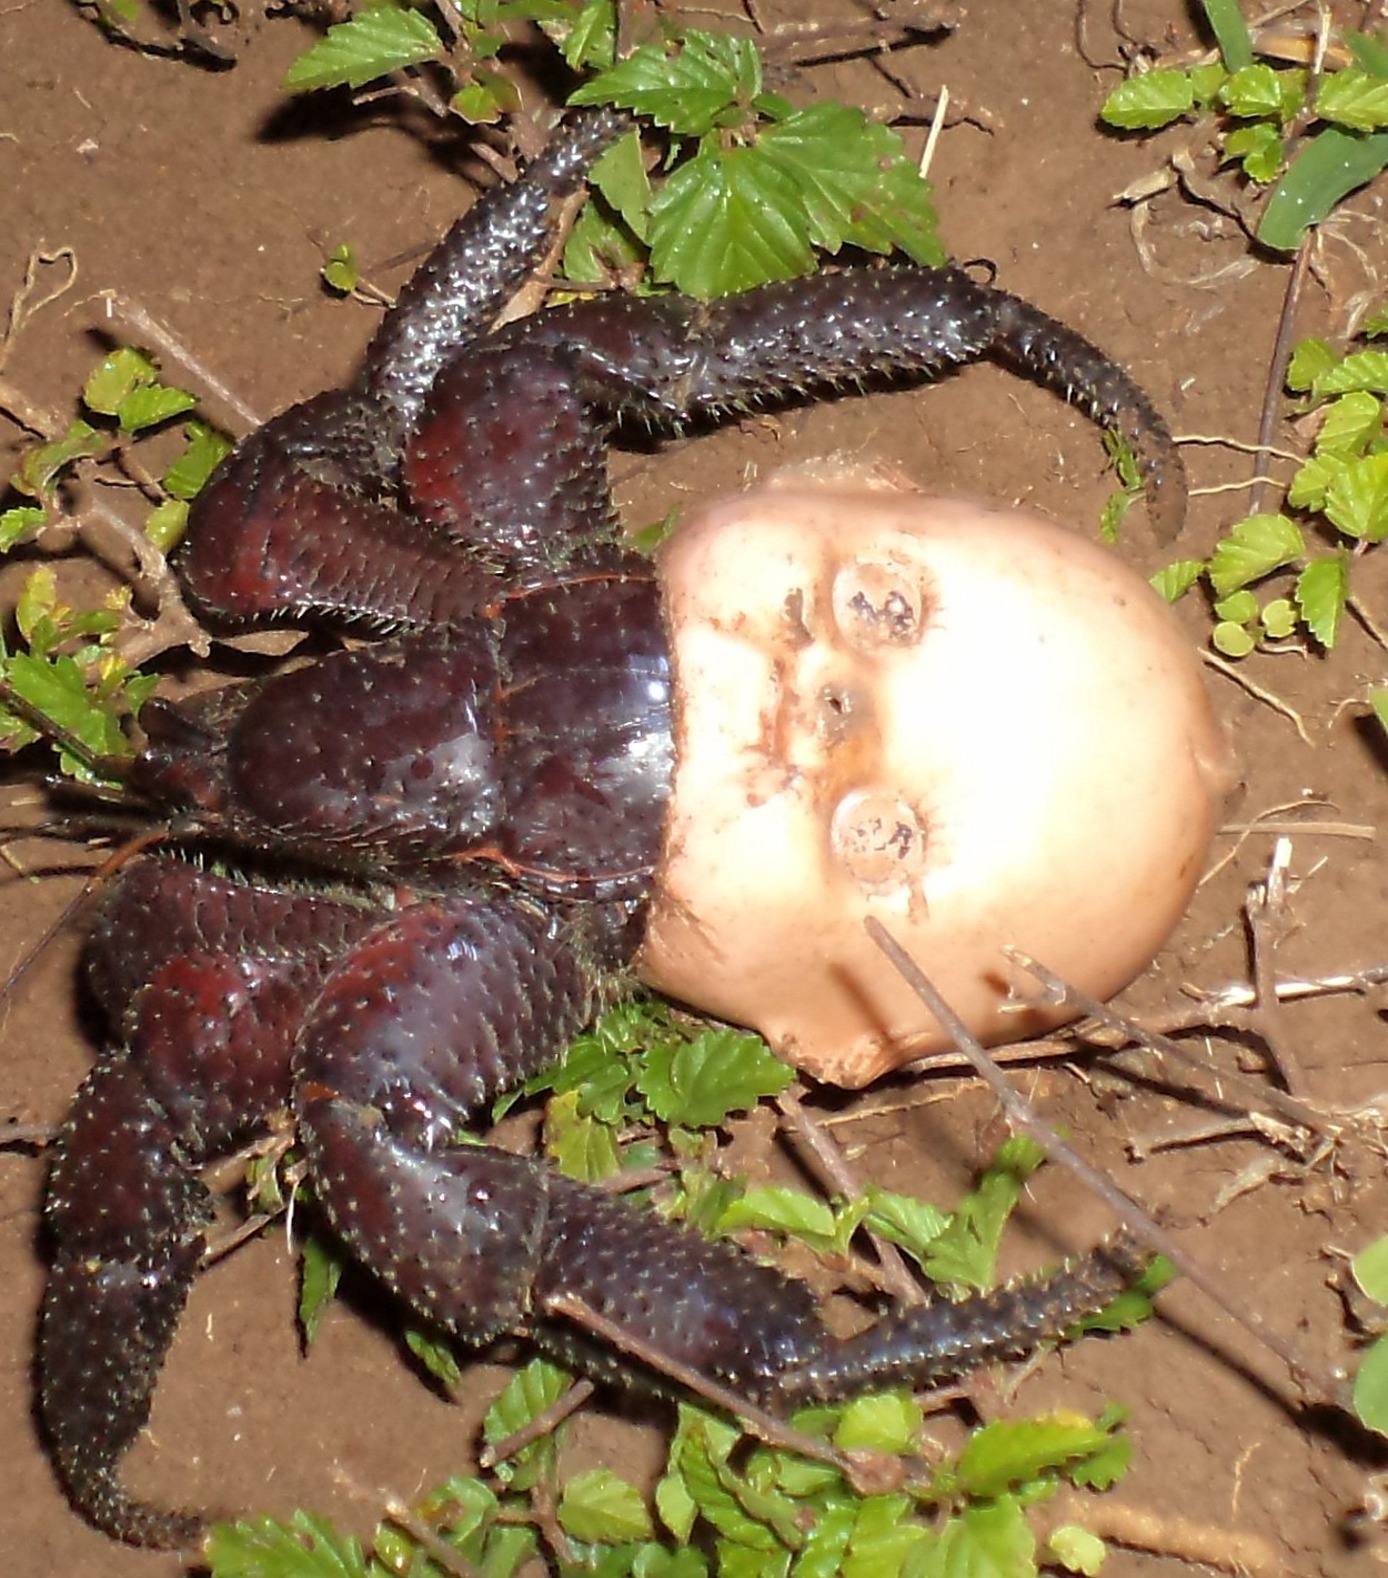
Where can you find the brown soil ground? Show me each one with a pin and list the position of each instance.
(208, 200)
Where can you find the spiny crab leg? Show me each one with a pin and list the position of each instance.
(410, 1024)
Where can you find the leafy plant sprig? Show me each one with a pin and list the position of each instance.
(1310, 141)
(69, 681)
(749, 188)
(1339, 494)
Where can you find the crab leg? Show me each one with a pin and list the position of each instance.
(667, 360)
(209, 1003)
(298, 520)
(426, 1019)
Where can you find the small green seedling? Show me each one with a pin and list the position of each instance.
(748, 189)
(1308, 142)
(1280, 576)
(68, 681)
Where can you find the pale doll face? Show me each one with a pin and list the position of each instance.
(975, 725)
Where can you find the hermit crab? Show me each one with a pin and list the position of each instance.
(426, 857)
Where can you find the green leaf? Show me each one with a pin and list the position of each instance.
(700, 1082)
(37, 602)
(56, 689)
(1278, 618)
(1311, 482)
(1356, 502)
(1353, 98)
(1349, 423)
(40, 467)
(899, 213)
(687, 89)
(726, 221)
(115, 378)
(1206, 81)
(835, 159)
(1322, 593)
(1259, 148)
(780, 1211)
(484, 100)
(1370, 1265)
(1360, 370)
(303, 1547)
(1177, 578)
(1378, 701)
(674, 1503)
(1011, 1452)
(1253, 548)
(207, 448)
(964, 1254)
(1329, 167)
(320, 1271)
(987, 1541)
(885, 1540)
(580, 1147)
(18, 523)
(340, 272)
(620, 176)
(590, 40)
(716, 1490)
(880, 1422)
(1230, 31)
(1076, 1549)
(436, 1354)
(1233, 640)
(1252, 91)
(1107, 1464)
(1238, 606)
(601, 1506)
(530, 1391)
(1133, 1305)
(740, 1561)
(1370, 54)
(373, 44)
(911, 1224)
(1153, 99)
(600, 246)
(823, 1552)
(150, 405)
(1371, 1388)
(1310, 359)
(1376, 324)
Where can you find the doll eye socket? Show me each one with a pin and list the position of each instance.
(880, 603)
(879, 839)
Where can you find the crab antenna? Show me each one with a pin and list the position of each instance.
(90, 888)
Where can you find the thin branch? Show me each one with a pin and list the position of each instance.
(23, 306)
(1314, 1382)
(542, 1424)
(1277, 370)
(447, 1558)
(1166, 1534)
(37, 1135)
(1258, 692)
(223, 405)
(1254, 1095)
(896, 1277)
(1265, 908)
(864, 1471)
